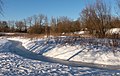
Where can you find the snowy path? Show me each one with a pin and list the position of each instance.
(18, 49)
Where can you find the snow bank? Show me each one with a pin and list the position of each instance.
(98, 54)
(85, 54)
(113, 31)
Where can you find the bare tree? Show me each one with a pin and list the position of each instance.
(41, 19)
(115, 22)
(76, 26)
(38, 26)
(53, 24)
(11, 24)
(47, 30)
(25, 25)
(4, 26)
(20, 26)
(64, 24)
(104, 14)
(89, 18)
(29, 19)
(35, 18)
(97, 18)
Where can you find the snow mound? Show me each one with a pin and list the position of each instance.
(81, 32)
(113, 31)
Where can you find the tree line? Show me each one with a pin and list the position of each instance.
(39, 24)
(96, 17)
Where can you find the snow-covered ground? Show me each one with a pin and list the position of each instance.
(79, 50)
(113, 31)
(15, 65)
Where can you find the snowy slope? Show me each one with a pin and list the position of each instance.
(4, 44)
(91, 56)
(85, 53)
(14, 65)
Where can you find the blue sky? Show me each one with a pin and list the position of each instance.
(20, 9)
